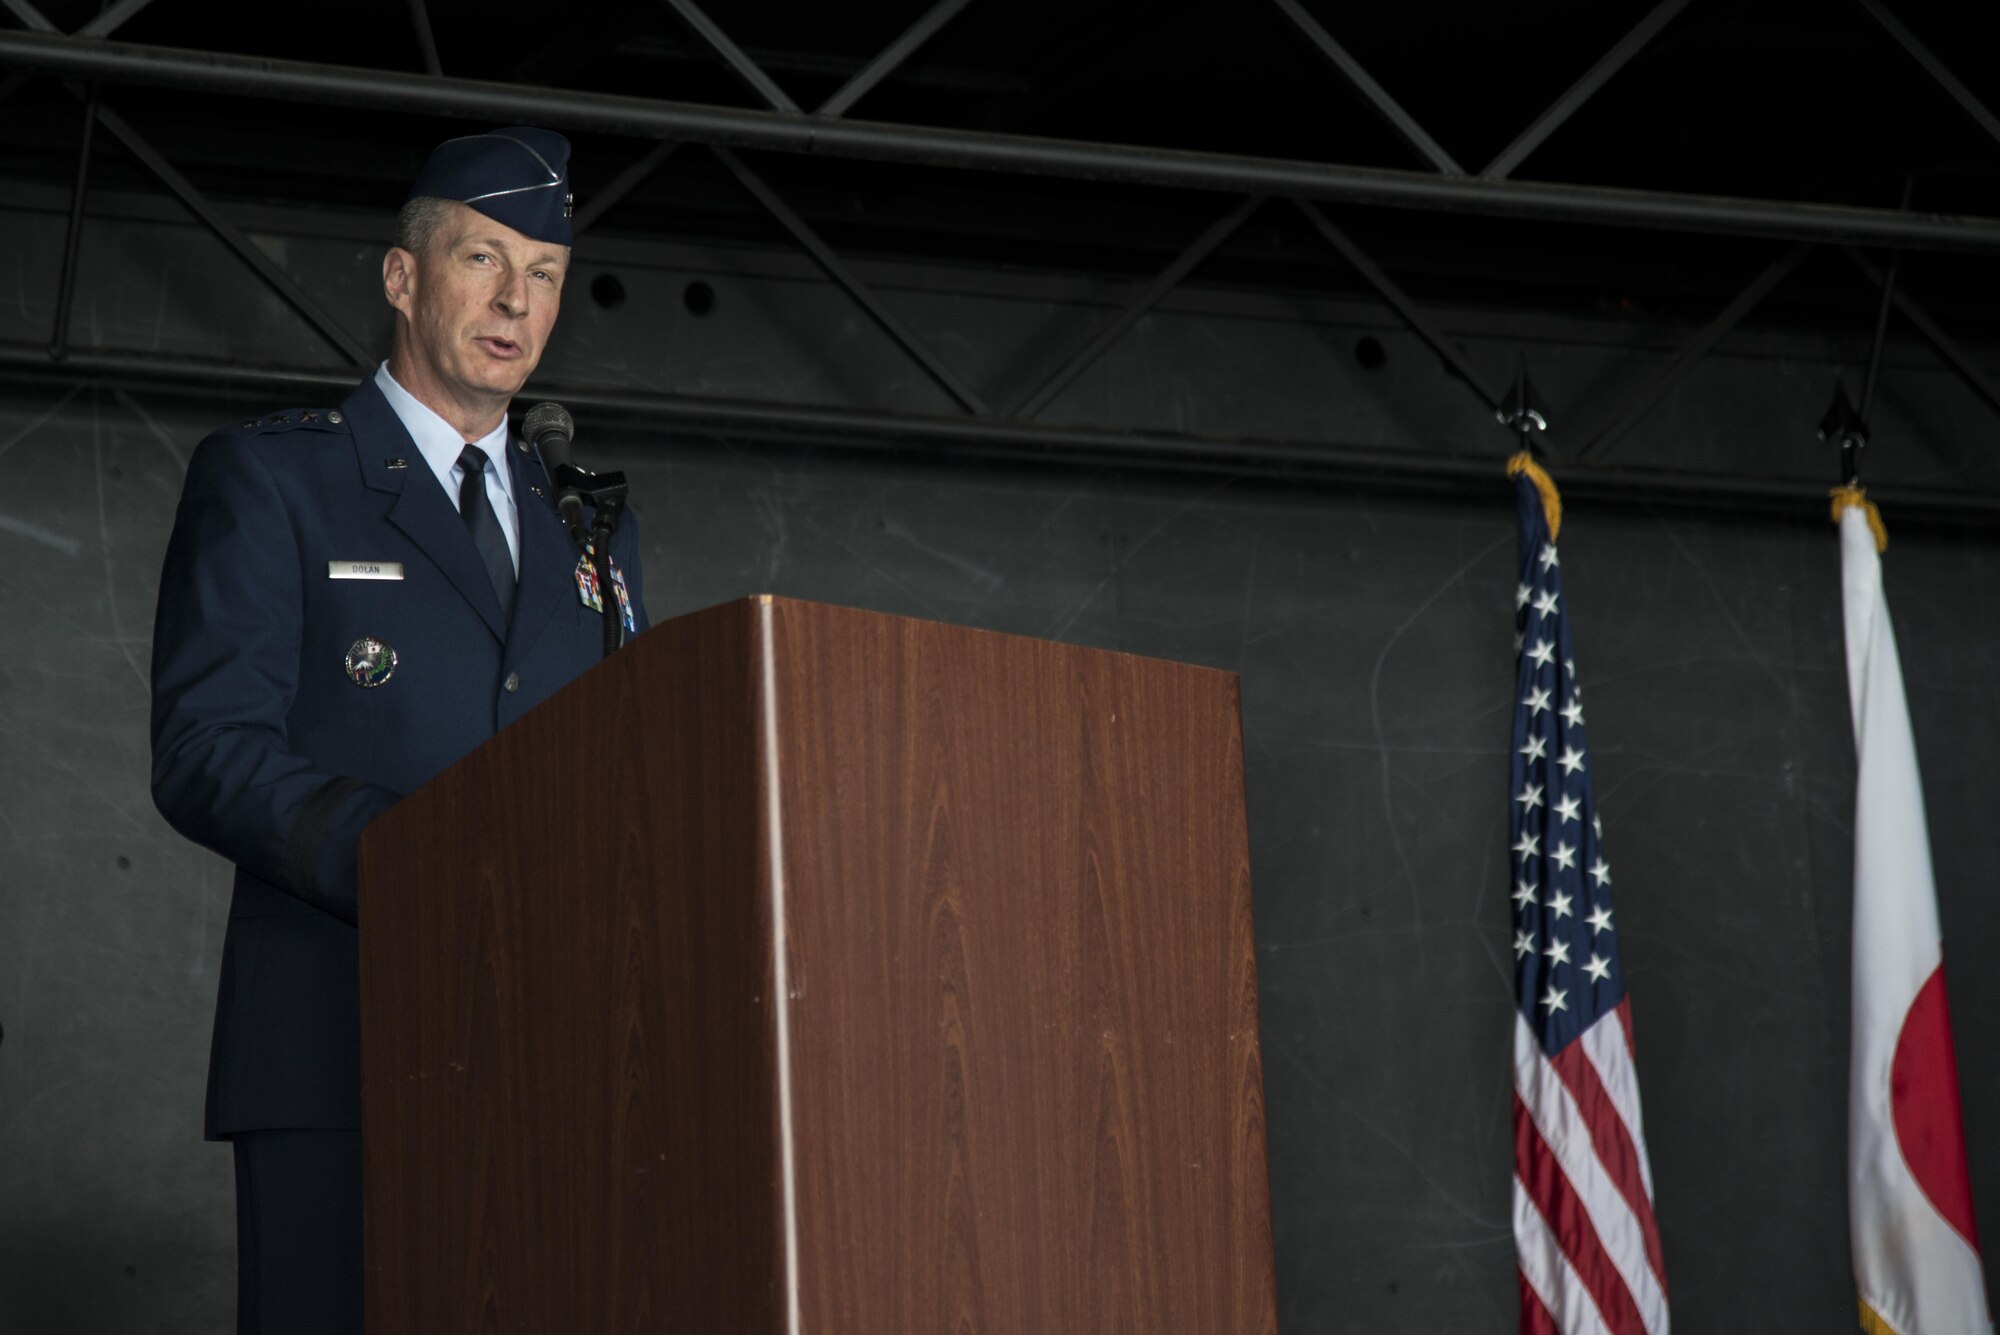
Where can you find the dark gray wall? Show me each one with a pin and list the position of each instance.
(1372, 630)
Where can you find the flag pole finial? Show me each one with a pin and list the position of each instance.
(1844, 426)
(1523, 413)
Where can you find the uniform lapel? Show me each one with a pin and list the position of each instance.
(548, 555)
(421, 509)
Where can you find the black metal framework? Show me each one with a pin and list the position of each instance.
(826, 131)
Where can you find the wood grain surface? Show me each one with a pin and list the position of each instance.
(1020, 1028)
(1024, 1014)
(567, 1067)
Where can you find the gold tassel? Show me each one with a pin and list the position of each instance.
(1871, 1320)
(1552, 501)
(1851, 495)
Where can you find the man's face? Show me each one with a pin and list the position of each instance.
(479, 304)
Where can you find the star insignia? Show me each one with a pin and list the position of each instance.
(1531, 796)
(1571, 760)
(1599, 919)
(1568, 808)
(1564, 854)
(1537, 701)
(1597, 967)
(1557, 951)
(1546, 604)
(1555, 999)
(1524, 894)
(1559, 905)
(1536, 748)
(1600, 871)
(1573, 712)
(1528, 845)
(1542, 653)
(1522, 594)
(1549, 555)
(1524, 945)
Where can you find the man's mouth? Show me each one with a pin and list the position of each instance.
(496, 346)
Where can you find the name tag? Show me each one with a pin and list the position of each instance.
(364, 569)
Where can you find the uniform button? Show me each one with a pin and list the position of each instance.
(335, 417)
(513, 682)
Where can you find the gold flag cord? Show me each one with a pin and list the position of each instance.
(1846, 498)
(1871, 1320)
(1552, 501)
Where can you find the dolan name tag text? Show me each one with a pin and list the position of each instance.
(364, 569)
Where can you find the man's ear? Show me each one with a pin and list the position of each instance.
(399, 277)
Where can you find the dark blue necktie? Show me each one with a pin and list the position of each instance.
(484, 525)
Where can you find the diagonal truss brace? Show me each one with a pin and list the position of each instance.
(1399, 300)
(886, 63)
(1582, 90)
(1378, 97)
(823, 254)
(1947, 347)
(1166, 281)
(837, 270)
(1691, 352)
(245, 249)
(745, 68)
(1934, 67)
(197, 203)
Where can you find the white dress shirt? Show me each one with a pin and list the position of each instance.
(440, 444)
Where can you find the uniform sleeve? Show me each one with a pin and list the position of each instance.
(226, 645)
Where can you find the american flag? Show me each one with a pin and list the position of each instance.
(1583, 1193)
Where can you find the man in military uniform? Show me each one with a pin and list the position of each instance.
(353, 598)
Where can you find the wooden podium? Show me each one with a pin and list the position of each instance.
(802, 969)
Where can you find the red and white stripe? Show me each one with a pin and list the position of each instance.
(1583, 1194)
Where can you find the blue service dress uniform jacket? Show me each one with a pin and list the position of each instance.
(267, 751)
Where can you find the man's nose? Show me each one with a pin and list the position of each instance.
(512, 298)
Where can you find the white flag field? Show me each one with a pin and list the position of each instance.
(1916, 1246)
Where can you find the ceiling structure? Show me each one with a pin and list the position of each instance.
(1685, 162)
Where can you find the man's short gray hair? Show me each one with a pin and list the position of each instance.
(418, 224)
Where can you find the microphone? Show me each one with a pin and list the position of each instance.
(549, 428)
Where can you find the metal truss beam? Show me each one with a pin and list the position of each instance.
(1412, 314)
(1936, 68)
(1378, 97)
(73, 237)
(1947, 347)
(1704, 341)
(1164, 282)
(420, 22)
(230, 235)
(1289, 462)
(1583, 90)
(746, 69)
(331, 85)
(112, 19)
(31, 18)
(623, 184)
(884, 64)
(838, 271)
(891, 58)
